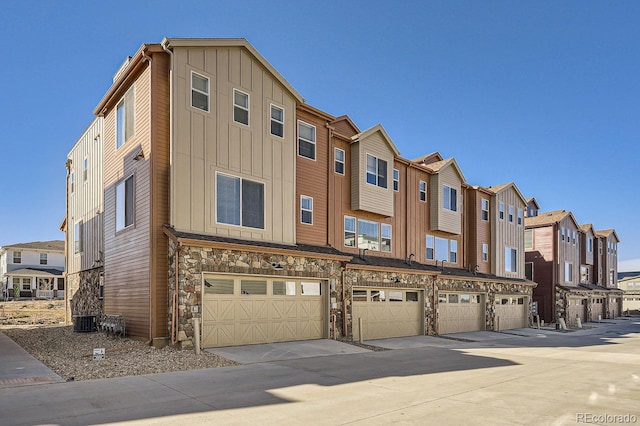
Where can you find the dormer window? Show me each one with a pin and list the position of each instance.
(376, 171)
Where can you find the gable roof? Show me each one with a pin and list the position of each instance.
(347, 120)
(534, 201)
(429, 158)
(439, 166)
(496, 189)
(549, 218)
(607, 232)
(587, 227)
(54, 245)
(371, 130)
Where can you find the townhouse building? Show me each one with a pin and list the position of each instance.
(630, 286)
(229, 199)
(561, 257)
(32, 270)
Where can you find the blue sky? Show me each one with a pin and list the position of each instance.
(542, 93)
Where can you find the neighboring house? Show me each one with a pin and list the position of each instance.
(226, 197)
(561, 259)
(32, 270)
(630, 285)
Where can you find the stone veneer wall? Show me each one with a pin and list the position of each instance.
(610, 308)
(83, 291)
(193, 261)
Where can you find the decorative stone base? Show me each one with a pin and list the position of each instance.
(83, 291)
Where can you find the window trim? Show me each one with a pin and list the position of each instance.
(312, 142)
(78, 230)
(354, 232)
(336, 161)
(377, 176)
(501, 211)
(512, 266)
(568, 272)
(449, 194)
(72, 181)
(207, 94)
(85, 168)
(271, 119)
(422, 192)
(395, 176)
(520, 216)
(484, 213)
(453, 251)
(264, 207)
(123, 182)
(302, 209)
(44, 257)
(510, 217)
(432, 247)
(247, 108)
(18, 257)
(485, 252)
(127, 102)
(383, 238)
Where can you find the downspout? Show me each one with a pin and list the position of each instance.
(330, 201)
(67, 293)
(344, 304)
(174, 314)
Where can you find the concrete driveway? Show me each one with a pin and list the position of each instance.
(547, 378)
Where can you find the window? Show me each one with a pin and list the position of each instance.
(376, 171)
(124, 204)
(528, 271)
(253, 287)
(450, 198)
(501, 211)
(396, 296)
(453, 298)
(306, 209)
(368, 235)
(396, 180)
(528, 239)
(17, 257)
(349, 231)
(584, 274)
(277, 121)
(26, 284)
(85, 169)
(359, 295)
(284, 288)
(199, 91)
(378, 296)
(310, 289)
(442, 249)
(72, 181)
(442, 298)
(519, 217)
(510, 259)
(590, 245)
(43, 258)
(453, 251)
(239, 201)
(574, 237)
(218, 286)
(465, 298)
(124, 119)
(568, 272)
(338, 161)
(430, 248)
(612, 277)
(78, 228)
(511, 214)
(240, 107)
(411, 296)
(385, 242)
(485, 252)
(306, 140)
(485, 209)
(423, 190)
(562, 234)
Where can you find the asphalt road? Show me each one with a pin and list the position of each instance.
(521, 377)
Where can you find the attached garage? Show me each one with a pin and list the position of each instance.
(511, 312)
(577, 308)
(460, 312)
(387, 312)
(614, 309)
(243, 310)
(597, 309)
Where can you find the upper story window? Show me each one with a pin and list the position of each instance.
(584, 274)
(239, 201)
(17, 257)
(590, 245)
(125, 119)
(430, 247)
(453, 251)
(423, 190)
(485, 209)
(124, 203)
(441, 249)
(277, 121)
(573, 240)
(338, 161)
(511, 214)
(72, 181)
(199, 91)
(562, 234)
(306, 140)
(520, 217)
(77, 237)
(450, 196)
(85, 168)
(306, 210)
(376, 171)
(501, 211)
(510, 259)
(485, 252)
(240, 107)
(528, 239)
(396, 180)
(385, 240)
(367, 234)
(43, 258)
(568, 272)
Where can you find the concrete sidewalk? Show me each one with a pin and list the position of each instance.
(19, 368)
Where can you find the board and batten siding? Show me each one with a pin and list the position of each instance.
(479, 231)
(568, 252)
(369, 197)
(85, 203)
(508, 234)
(441, 218)
(206, 143)
(417, 212)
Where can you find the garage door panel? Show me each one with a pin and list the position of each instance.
(383, 318)
(511, 311)
(457, 317)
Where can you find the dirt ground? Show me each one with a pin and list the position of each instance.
(31, 312)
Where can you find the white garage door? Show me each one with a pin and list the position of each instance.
(597, 309)
(577, 308)
(460, 312)
(387, 312)
(511, 312)
(241, 310)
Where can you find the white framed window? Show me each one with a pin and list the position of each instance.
(72, 181)
(43, 258)
(85, 169)
(17, 257)
(450, 200)
(26, 284)
(240, 107)
(431, 248)
(125, 118)
(423, 191)
(453, 251)
(562, 234)
(396, 180)
(239, 201)
(485, 210)
(349, 231)
(368, 235)
(568, 272)
(510, 259)
(528, 239)
(306, 210)
(277, 121)
(306, 140)
(511, 214)
(519, 217)
(501, 211)
(199, 91)
(125, 202)
(338, 161)
(573, 240)
(584, 274)
(485, 252)
(376, 171)
(442, 249)
(385, 241)
(78, 228)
